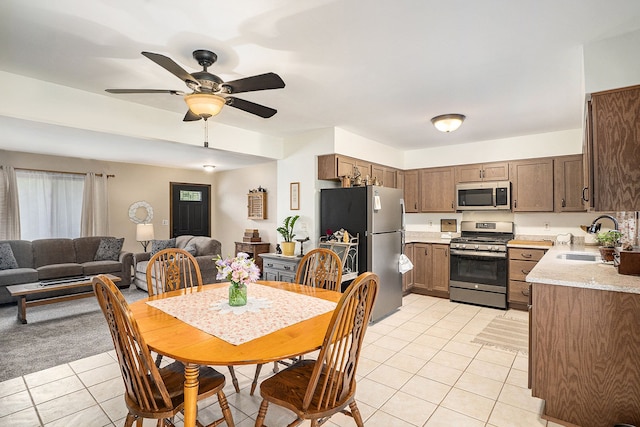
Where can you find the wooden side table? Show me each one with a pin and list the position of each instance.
(254, 249)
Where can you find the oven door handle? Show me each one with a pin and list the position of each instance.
(478, 254)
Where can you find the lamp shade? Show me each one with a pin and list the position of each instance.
(448, 122)
(144, 232)
(204, 105)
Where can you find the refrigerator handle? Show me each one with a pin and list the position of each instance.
(402, 226)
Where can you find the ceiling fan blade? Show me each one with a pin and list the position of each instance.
(191, 117)
(171, 92)
(170, 65)
(251, 107)
(259, 82)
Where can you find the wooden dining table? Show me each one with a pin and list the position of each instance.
(174, 338)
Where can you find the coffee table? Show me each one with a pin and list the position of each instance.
(37, 288)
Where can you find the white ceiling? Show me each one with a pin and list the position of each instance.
(378, 68)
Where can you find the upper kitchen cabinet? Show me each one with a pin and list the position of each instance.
(333, 166)
(532, 185)
(437, 190)
(567, 182)
(612, 153)
(411, 191)
(386, 176)
(498, 171)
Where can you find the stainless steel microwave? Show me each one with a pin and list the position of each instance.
(480, 196)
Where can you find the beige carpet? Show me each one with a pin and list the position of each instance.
(505, 333)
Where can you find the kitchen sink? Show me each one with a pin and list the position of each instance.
(579, 256)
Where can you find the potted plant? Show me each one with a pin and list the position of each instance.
(608, 241)
(286, 231)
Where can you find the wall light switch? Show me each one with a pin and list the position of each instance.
(165, 222)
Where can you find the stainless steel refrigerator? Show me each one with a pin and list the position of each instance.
(377, 215)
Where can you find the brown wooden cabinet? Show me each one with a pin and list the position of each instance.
(567, 183)
(532, 185)
(437, 190)
(498, 171)
(584, 355)
(411, 191)
(521, 262)
(431, 269)
(612, 162)
(333, 166)
(407, 278)
(257, 205)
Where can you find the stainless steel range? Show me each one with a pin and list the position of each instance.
(478, 273)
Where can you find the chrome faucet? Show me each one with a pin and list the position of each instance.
(595, 225)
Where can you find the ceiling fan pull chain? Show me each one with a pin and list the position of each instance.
(206, 133)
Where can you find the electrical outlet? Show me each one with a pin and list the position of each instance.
(430, 223)
(546, 226)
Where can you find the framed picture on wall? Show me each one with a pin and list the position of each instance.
(294, 196)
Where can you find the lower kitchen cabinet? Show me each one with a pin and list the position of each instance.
(431, 269)
(279, 267)
(407, 278)
(584, 355)
(521, 262)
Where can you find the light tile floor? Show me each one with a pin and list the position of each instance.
(418, 368)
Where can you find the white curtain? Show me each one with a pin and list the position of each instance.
(95, 218)
(9, 207)
(50, 204)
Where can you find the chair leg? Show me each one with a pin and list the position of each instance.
(226, 412)
(128, 422)
(355, 413)
(262, 413)
(234, 380)
(276, 368)
(158, 360)
(255, 379)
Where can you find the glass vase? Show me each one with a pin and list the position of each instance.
(237, 294)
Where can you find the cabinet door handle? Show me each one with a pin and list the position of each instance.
(415, 206)
(515, 203)
(526, 255)
(564, 203)
(584, 191)
(287, 267)
(525, 293)
(525, 272)
(269, 264)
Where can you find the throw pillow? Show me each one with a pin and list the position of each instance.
(158, 245)
(191, 248)
(109, 249)
(7, 259)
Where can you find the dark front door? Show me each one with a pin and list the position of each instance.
(190, 209)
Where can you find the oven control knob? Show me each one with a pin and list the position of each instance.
(476, 286)
(477, 246)
(494, 248)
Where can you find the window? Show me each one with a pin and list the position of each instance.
(50, 204)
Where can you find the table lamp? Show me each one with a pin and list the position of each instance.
(144, 234)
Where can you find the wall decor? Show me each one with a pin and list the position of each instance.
(133, 211)
(294, 196)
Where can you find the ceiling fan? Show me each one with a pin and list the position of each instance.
(209, 92)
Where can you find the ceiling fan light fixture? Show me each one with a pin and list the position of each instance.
(448, 122)
(204, 105)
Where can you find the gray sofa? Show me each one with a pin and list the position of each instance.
(45, 259)
(203, 248)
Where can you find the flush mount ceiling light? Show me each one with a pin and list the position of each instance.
(448, 122)
(209, 168)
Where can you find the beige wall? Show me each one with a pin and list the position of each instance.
(131, 183)
(230, 193)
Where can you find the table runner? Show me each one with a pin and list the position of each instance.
(274, 309)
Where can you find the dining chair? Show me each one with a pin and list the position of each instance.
(317, 389)
(151, 392)
(172, 269)
(320, 268)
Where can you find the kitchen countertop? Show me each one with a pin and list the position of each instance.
(427, 237)
(519, 243)
(552, 270)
